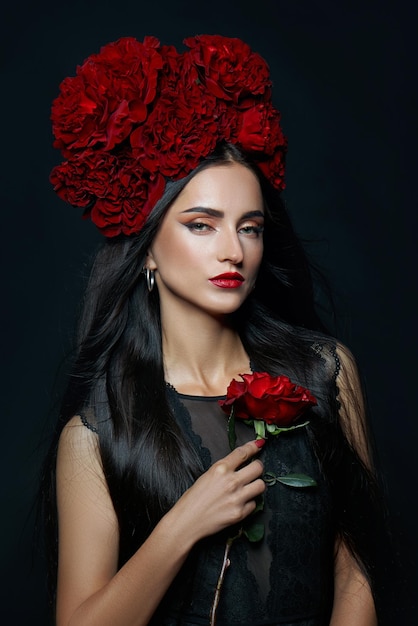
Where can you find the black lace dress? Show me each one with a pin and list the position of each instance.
(286, 578)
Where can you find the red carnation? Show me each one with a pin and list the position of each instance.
(109, 94)
(274, 168)
(228, 67)
(121, 193)
(86, 176)
(129, 200)
(260, 129)
(136, 112)
(180, 131)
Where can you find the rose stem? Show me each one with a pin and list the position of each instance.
(225, 565)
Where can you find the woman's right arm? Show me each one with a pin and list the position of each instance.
(91, 590)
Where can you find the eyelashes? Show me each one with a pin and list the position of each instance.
(203, 227)
(250, 230)
(199, 227)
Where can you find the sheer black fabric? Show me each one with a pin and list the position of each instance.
(286, 578)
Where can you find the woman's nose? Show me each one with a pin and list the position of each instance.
(230, 248)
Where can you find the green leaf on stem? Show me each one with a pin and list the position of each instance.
(254, 532)
(297, 480)
(259, 504)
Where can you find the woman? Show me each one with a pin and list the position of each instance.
(179, 160)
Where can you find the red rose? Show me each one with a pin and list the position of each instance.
(228, 67)
(272, 399)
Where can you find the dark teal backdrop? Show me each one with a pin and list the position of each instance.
(345, 79)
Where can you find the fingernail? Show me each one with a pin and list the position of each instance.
(260, 443)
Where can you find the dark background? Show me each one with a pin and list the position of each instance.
(345, 79)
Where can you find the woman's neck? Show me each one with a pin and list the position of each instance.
(202, 354)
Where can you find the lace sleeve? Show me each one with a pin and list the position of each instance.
(88, 424)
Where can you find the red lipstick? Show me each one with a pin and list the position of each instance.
(229, 280)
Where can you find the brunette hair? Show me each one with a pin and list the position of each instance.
(117, 378)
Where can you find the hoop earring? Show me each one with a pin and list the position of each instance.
(150, 278)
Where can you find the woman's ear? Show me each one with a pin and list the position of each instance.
(150, 261)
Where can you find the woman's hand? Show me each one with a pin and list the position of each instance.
(224, 495)
(92, 591)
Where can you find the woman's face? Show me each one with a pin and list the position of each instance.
(208, 249)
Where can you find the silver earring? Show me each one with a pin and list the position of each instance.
(150, 278)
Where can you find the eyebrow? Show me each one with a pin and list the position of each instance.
(218, 213)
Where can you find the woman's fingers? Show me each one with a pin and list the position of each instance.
(225, 494)
(241, 473)
(241, 455)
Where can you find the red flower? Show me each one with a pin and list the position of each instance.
(260, 129)
(109, 94)
(138, 112)
(178, 133)
(228, 67)
(131, 195)
(70, 181)
(274, 168)
(120, 192)
(272, 399)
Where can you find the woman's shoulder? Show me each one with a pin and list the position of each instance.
(79, 466)
(340, 357)
(88, 421)
(327, 351)
(78, 445)
(87, 518)
(337, 360)
(85, 419)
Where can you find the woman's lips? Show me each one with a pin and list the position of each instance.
(229, 280)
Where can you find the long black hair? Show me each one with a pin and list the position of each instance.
(117, 379)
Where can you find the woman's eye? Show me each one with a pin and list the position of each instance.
(254, 229)
(198, 227)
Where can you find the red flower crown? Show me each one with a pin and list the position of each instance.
(138, 113)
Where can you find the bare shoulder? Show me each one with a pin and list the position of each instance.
(78, 447)
(87, 522)
(80, 476)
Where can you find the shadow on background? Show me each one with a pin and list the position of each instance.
(345, 80)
